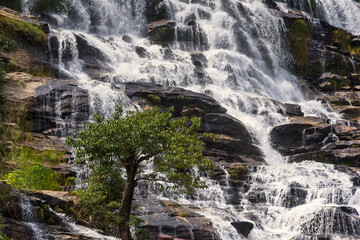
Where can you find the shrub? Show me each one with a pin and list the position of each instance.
(34, 177)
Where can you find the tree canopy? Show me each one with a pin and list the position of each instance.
(131, 141)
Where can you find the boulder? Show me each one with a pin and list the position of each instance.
(162, 31)
(177, 221)
(243, 228)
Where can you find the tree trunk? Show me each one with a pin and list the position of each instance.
(123, 230)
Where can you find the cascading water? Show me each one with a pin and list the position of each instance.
(242, 42)
(29, 217)
(343, 14)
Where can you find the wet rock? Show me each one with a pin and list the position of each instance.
(157, 10)
(142, 52)
(292, 110)
(294, 197)
(223, 124)
(204, 14)
(329, 82)
(337, 219)
(352, 114)
(18, 230)
(243, 228)
(127, 38)
(190, 20)
(171, 96)
(93, 58)
(199, 59)
(60, 102)
(162, 31)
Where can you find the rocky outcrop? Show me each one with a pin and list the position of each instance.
(309, 138)
(318, 48)
(180, 221)
(234, 143)
(60, 108)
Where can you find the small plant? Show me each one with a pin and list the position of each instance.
(184, 214)
(7, 44)
(238, 172)
(22, 83)
(154, 99)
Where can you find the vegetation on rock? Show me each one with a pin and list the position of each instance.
(16, 29)
(128, 142)
(298, 37)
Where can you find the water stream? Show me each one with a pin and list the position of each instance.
(243, 42)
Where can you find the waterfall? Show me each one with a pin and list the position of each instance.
(29, 217)
(342, 14)
(95, 42)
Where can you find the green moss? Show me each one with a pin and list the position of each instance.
(184, 214)
(154, 99)
(18, 29)
(239, 172)
(160, 33)
(298, 37)
(344, 39)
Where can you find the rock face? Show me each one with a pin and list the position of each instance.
(309, 138)
(176, 220)
(60, 105)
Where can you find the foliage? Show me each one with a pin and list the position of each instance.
(15, 29)
(155, 99)
(100, 200)
(172, 145)
(129, 142)
(27, 155)
(34, 176)
(7, 44)
(138, 233)
(3, 80)
(2, 226)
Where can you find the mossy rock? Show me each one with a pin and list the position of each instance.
(298, 38)
(345, 40)
(20, 30)
(238, 172)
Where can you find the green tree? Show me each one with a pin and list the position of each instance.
(130, 142)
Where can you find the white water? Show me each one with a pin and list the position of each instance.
(29, 218)
(339, 13)
(245, 73)
(83, 231)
